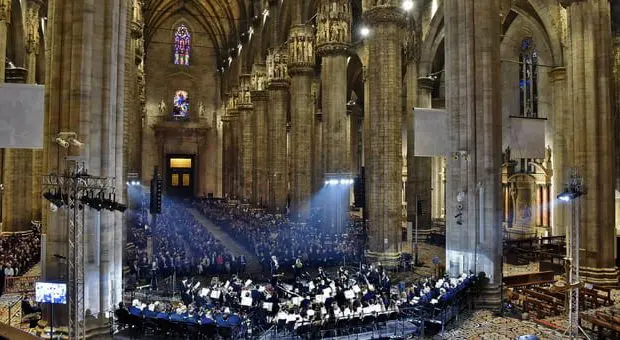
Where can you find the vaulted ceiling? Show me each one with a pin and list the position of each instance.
(223, 20)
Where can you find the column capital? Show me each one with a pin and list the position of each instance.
(301, 50)
(259, 77)
(411, 47)
(333, 27)
(426, 83)
(5, 11)
(31, 39)
(557, 73)
(383, 11)
(226, 118)
(136, 29)
(259, 95)
(245, 86)
(277, 70)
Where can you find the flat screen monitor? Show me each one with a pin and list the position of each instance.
(47, 292)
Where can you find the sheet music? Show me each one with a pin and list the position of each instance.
(246, 301)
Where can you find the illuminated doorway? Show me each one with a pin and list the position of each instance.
(180, 175)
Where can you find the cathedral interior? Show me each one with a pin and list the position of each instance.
(477, 136)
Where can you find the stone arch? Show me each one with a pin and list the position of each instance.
(355, 79)
(431, 42)
(548, 15)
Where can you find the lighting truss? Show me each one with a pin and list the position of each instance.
(73, 185)
(573, 190)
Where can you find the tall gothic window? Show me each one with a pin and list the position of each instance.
(528, 79)
(180, 107)
(182, 42)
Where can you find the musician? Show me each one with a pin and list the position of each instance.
(274, 265)
(298, 267)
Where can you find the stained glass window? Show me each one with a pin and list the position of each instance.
(528, 79)
(182, 40)
(180, 107)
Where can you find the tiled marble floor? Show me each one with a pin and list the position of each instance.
(484, 325)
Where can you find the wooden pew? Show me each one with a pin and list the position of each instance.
(553, 305)
(600, 324)
(541, 309)
(529, 279)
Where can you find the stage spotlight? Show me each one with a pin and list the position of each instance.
(364, 31)
(63, 143)
(76, 143)
(564, 197)
(326, 182)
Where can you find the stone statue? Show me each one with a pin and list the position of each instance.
(507, 155)
(201, 109)
(548, 154)
(162, 107)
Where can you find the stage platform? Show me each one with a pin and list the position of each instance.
(395, 329)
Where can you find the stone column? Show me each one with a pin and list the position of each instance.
(438, 187)
(32, 51)
(261, 146)
(561, 120)
(15, 165)
(384, 154)
(278, 84)
(333, 40)
(82, 96)
(616, 85)
(246, 121)
(227, 156)
(22, 186)
(589, 88)
(423, 166)
(5, 20)
(235, 133)
(300, 68)
(473, 95)
(317, 139)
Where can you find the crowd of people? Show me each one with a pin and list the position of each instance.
(319, 302)
(179, 245)
(18, 253)
(269, 235)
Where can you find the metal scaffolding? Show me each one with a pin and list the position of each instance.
(573, 191)
(70, 189)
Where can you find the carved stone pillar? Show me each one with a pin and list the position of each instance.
(278, 85)
(589, 86)
(317, 140)
(562, 136)
(5, 20)
(227, 156)
(21, 184)
(423, 166)
(473, 97)
(246, 117)
(32, 51)
(384, 154)
(333, 39)
(261, 145)
(75, 98)
(616, 85)
(300, 68)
